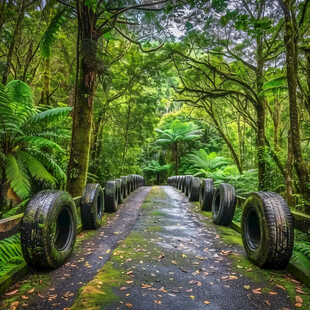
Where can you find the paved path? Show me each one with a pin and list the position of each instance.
(173, 258)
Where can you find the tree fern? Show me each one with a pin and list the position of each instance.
(40, 142)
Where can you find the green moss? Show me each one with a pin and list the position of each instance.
(155, 228)
(38, 282)
(159, 213)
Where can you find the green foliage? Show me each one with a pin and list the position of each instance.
(10, 254)
(26, 144)
(50, 34)
(301, 254)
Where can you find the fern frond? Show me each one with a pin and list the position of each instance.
(50, 34)
(40, 142)
(17, 177)
(51, 115)
(36, 169)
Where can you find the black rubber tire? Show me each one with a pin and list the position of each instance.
(111, 196)
(206, 194)
(267, 230)
(48, 230)
(183, 184)
(119, 189)
(223, 204)
(92, 206)
(195, 189)
(124, 180)
(188, 182)
(129, 184)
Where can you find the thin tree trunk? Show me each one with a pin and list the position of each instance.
(46, 89)
(176, 159)
(289, 172)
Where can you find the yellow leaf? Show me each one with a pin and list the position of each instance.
(206, 302)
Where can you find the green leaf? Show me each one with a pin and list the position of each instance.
(17, 177)
(50, 115)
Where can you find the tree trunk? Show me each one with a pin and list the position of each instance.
(289, 172)
(13, 41)
(157, 178)
(45, 93)
(290, 41)
(83, 106)
(261, 116)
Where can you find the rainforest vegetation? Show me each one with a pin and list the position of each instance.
(92, 90)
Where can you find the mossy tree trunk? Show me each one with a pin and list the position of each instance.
(83, 106)
(291, 40)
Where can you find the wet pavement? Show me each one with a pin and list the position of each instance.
(185, 265)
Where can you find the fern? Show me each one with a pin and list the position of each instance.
(35, 167)
(17, 176)
(10, 254)
(50, 34)
(40, 142)
(50, 115)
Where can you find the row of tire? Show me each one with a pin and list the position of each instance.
(267, 226)
(49, 225)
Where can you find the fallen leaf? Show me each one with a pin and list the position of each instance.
(25, 297)
(233, 278)
(41, 296)
(247, 287)
(281, 287)
(11, 293)
(267, 302)
(157, 302)
(298, 299)
(273, 293)
(161, 256)
(123, 288)
(14, 305)
(30, 291)
(129, 272)
(183, 255)
(257, 291)
(100, 257)
(300, 291)
(128, 305)
(129, 282)
(225, 252)
(206, 302)
(192, 296)
(189, 290)
(298, 305)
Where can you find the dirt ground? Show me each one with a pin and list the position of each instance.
(166, 254)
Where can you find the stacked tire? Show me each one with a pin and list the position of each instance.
(49, 225)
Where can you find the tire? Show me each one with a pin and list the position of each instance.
(119, 190)
(267, 230)
(129, 184)
(111, 196)
(183, 184)
(92, 206)
(48, 229)
(195, 189)
(124, 180)
(188, 181)
(206, 194)
(223, 204)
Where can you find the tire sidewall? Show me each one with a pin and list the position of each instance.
(259, 255)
